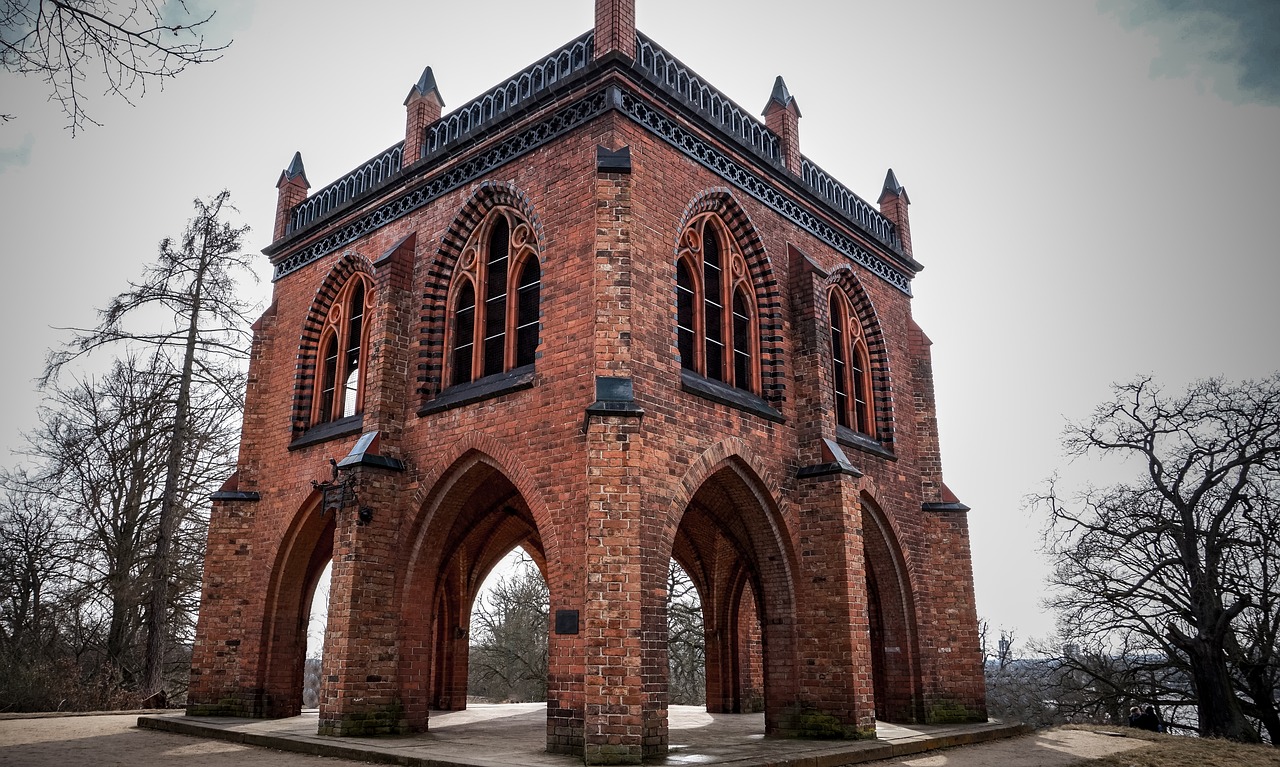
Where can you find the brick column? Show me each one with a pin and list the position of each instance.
(422, 108)
(835, 693)
(615, 28)
(361, 693)
(782, 116)
(893, 206)
(291, 191)
(220, 658)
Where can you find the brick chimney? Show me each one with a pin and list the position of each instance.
(893, 206)
(422, 108)
(782, 116)
(292, 188)
(615, 28)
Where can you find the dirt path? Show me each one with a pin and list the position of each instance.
(1051, 748)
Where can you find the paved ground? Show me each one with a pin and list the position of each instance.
(502, 736)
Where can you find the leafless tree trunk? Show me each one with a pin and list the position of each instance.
(194, 279)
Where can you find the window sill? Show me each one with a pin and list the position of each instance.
(480, 389)
(728, 395)
(863, 443)
(324, 432)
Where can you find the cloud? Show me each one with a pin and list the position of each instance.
(1236, 44)
(17, 156)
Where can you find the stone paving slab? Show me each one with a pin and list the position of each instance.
(514, 735)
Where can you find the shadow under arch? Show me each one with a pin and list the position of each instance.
(306, 549)
(895, 666)
(730, 533)
(473, 516)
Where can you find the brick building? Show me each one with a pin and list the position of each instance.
(603, 313)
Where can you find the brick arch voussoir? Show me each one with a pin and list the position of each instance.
(735, 454)
(487, 196)
(881, 379)
(721, 201)
(348, 265)
(473, 450)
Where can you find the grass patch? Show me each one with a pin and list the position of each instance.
(1182, 751)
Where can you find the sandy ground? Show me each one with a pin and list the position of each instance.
(1052, 748)
(82, 741)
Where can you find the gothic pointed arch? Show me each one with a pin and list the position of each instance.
(333, 350)
(728, 308)
(896, 676)
(861, 381)
(481, 302)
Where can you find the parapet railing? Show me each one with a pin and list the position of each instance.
(851, 205)
(523, 87)
(355, 184)
(675, 78)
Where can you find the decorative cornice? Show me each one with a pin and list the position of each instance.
(759, 188)
(565, 120)
(526, 141)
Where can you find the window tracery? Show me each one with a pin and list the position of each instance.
(716, 325)
(343, 353)
(493, 304)
(851, 368)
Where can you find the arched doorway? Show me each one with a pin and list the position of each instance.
(303, 559)
(891, 615)
(476, 516)
(732, 545)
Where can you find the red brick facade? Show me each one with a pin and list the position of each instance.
(833, 566)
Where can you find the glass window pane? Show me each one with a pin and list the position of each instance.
(464, 326)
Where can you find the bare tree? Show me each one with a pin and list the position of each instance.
(86, 509)
(1178, 569)
(121, 44)
(194, 279)
(509, 637)
(686, 640)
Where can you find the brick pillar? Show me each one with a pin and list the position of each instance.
(950, 654)
(893, 206)
(422, 108)
(835, 694)
(615, 28)
(221, 660)
(291, 191)
(361, 694)
(782, 116)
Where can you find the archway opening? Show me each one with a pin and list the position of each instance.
(507, 654)
(475, 519)
(686, 640)
(894, 672)
(729, 545)
(317, 622)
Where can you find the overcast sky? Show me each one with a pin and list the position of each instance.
(1094, 188)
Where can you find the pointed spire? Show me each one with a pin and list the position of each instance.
(294, 171)
(893, 188)
(782, 97)
(893, 206)
(426, 84)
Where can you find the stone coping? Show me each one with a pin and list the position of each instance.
(489, 735)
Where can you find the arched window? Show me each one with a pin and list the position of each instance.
(851, 368)
(715, 306)
(343, 341)
(494, 305)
